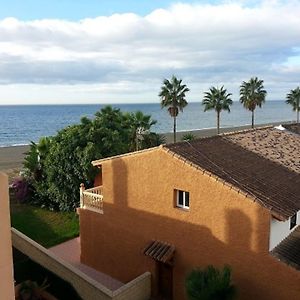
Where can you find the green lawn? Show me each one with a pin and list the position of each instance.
(46, 227)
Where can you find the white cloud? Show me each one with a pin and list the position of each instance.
(127, 54)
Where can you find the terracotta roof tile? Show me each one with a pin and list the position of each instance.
(279, 146)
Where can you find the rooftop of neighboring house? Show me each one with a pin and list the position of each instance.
(288, 250)
(276, 145)
(264, 163)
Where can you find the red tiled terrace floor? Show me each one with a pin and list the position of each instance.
(70, 252)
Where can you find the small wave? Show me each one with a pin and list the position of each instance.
(13, 145)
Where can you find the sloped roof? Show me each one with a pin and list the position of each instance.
(263, 163)
(288, 250)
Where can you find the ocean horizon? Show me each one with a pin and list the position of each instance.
(21, 124)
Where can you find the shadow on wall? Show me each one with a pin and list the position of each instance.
(122, 238)
(114, 242)
(120, 183)
(237, 223)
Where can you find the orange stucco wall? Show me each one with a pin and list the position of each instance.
(6, 262)
(221, 227)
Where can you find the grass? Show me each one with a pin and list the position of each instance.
(46, 227)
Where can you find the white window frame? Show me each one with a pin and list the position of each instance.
(184, 206)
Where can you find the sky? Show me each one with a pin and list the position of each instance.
(118, 51)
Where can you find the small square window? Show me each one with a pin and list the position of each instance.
(293, 221)
(182, 199)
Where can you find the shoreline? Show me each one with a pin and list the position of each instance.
(12, 157)
(207, 132)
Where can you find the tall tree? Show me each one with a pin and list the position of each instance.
(252, 94)
(172, 96)
(217, 99)
(293, 98)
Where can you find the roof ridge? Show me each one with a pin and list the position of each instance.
(98, 161)
(246, 130)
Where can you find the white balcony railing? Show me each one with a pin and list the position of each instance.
(91, 199)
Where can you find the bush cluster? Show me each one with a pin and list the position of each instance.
(57, 165)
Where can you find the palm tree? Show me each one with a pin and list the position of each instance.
(293, 98)
(252, 94)
(140, 126)
(172, 95)
(217, 99)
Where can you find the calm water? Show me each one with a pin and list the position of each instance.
(22, 124)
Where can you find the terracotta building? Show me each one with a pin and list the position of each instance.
(232, 199)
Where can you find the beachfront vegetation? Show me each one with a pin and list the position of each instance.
(293, 99)
(252, 94)
(210, 283)
(47, 228)
(172, 96)
(217, 99)
(56, 166)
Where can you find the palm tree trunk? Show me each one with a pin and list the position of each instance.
(252, 118)
(297, 115)
(218, 122)
(174, 129)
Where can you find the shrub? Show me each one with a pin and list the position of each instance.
(210, 284)
(21, 189)
(188, 137)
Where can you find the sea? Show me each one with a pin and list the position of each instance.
(21, 124)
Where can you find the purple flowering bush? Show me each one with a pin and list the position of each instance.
(21, 189)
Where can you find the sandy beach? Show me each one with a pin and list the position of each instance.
(11, 158)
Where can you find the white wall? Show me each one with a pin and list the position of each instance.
(279, 230)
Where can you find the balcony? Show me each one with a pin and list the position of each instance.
(91, 199)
